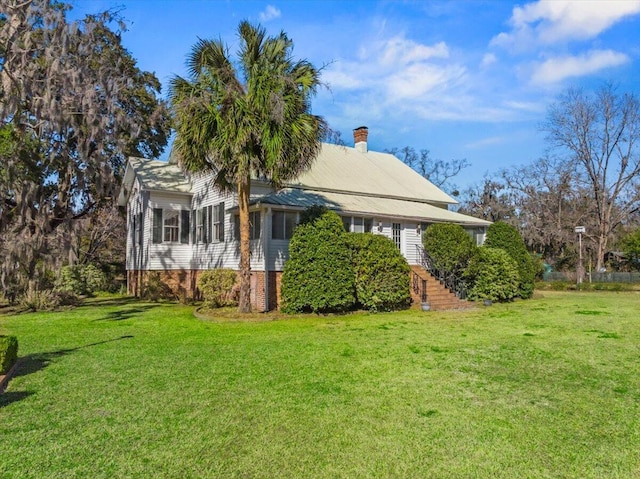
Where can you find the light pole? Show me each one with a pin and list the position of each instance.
(580, 269)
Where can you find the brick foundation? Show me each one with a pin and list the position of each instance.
(183, 284)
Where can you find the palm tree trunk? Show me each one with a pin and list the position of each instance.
(244, 305)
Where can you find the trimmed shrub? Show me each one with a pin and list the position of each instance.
(8, 352)
(312, 213)
(318, 277)
(381, 273)
(219, 288)
(492, 274)
(449, 245)
(504, 236)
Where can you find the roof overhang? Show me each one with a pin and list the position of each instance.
(365, 205)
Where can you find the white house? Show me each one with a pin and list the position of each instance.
(180, 225)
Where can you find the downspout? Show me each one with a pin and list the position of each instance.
(266, 228)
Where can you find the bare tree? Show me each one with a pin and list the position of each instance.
(600, 133)
(491, 200)
(438, 172)
(550, 200)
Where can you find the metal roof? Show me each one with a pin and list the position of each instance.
(345, 169)
(366, 206)
(160, 175)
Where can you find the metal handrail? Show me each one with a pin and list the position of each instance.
(419, 286)
(448, 278)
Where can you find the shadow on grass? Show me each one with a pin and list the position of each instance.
(11, 397)
(118, 301)
(123, 314)
(33, 363)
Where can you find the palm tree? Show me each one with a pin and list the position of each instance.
(248, 119)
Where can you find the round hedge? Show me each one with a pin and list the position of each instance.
(492, 274)
(504, 236)
(319, 276)
(381, 273)
(449, 245)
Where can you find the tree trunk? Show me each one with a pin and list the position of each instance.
(603, 237)
(244, 305)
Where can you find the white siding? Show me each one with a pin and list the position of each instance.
(166, 255)
(226, 254)
(278, 254)
(136, 253)
(413, 240)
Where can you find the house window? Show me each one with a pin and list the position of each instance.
(171, 224)
(218, 222)
(396, 228)
(282, 224)
(139, 229)
(368, 225)
(184, 226)
(201, 225)
(254, 226)
(357, 224)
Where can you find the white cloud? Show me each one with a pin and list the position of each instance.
(399, 78)
(270, 13)
(490, 141)
(401, 68)
(557, 69)
(416, 81)
(399, 51)
(488, 59)
(552, 21)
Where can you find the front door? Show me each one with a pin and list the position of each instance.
(396, 230)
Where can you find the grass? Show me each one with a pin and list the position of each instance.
(544, 388)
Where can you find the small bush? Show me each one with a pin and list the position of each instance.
(381, 273)
(449, 245)
(318, 277)
(219, 288)
(504, 236)
(559, 285)
(155, 289)
(8, 352)
(492, 274)
(81, 279)
(35, 300)
(94, 278)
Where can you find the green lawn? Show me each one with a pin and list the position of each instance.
(544, 388)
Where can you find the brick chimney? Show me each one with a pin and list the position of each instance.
(360, 135)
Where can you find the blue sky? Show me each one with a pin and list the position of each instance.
(464, 79)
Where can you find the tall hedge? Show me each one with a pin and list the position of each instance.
(492, 274)
(449, 245)
(381, 273)
(319, 276)
(504, 236)
(8, 352)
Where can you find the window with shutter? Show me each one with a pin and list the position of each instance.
(184, 226)
(218, 222)
(157, 225)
